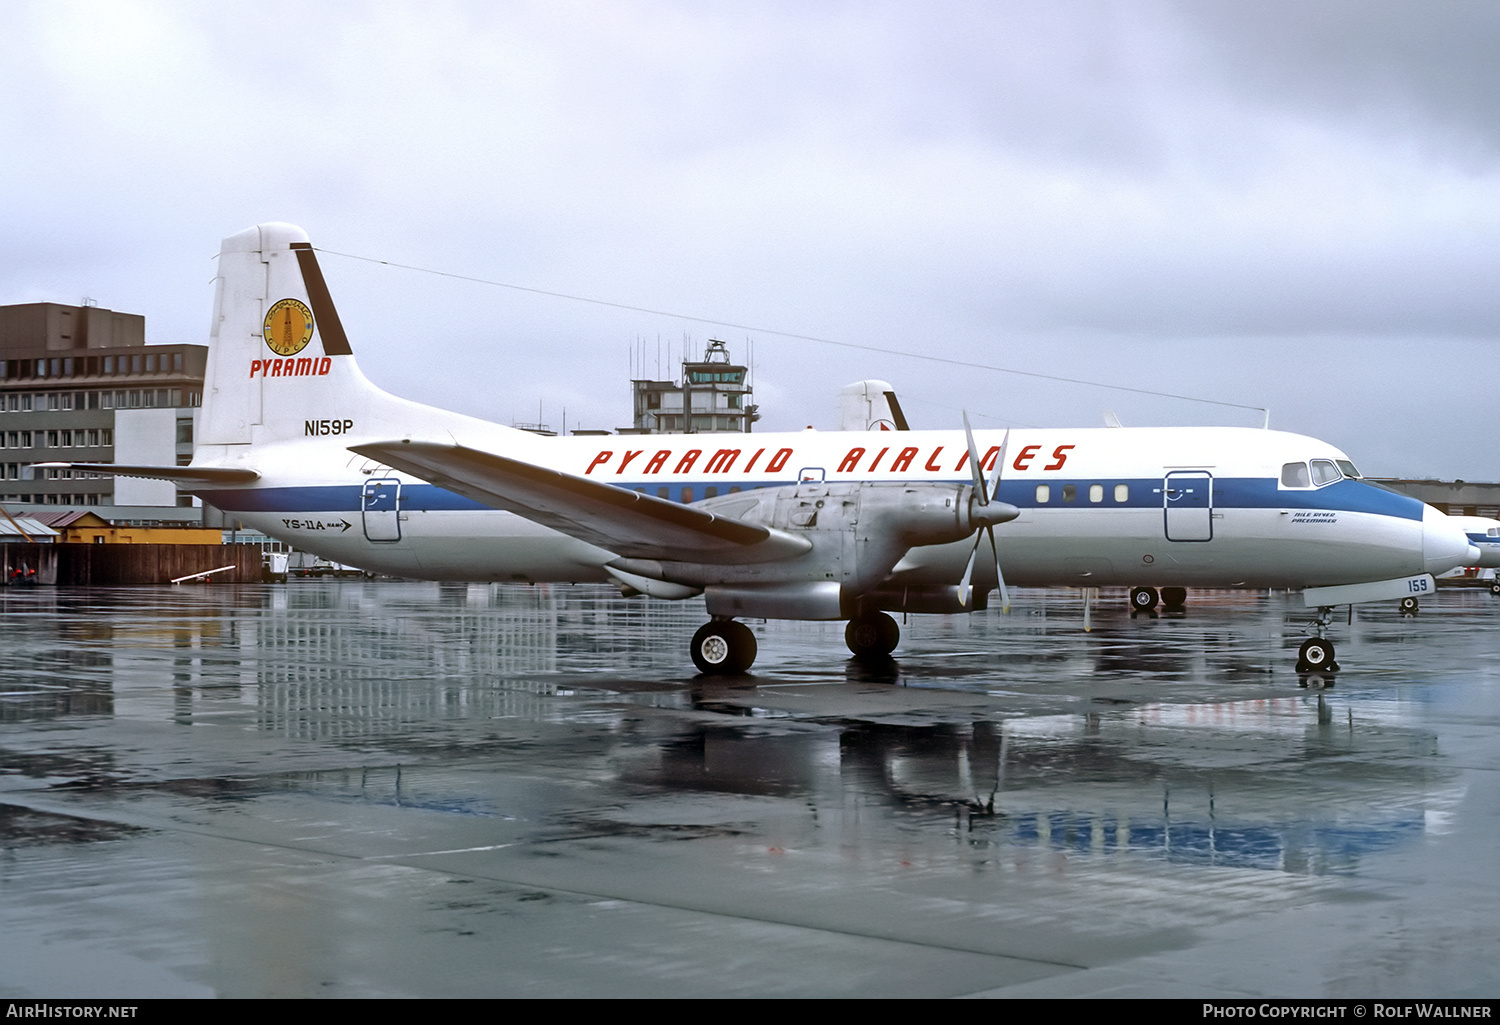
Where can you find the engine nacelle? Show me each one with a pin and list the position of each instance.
(803, 600)
(856, 532)
(947, 601)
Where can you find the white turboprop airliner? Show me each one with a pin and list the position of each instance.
(293, 440)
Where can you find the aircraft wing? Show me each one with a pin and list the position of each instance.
(632, 524)
(186, 476)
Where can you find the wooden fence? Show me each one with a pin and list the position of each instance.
(79, 565)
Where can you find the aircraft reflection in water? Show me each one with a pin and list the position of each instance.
(427, 667)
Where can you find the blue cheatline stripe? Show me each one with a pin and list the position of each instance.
(1144, 493)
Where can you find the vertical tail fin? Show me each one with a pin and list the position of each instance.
(278, 356)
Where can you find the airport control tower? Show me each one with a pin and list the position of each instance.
(713, 398)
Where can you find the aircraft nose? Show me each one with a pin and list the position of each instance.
(1444, 544)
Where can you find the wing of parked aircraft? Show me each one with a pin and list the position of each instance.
(629, 523)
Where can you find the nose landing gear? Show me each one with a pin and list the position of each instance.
(1316, 653)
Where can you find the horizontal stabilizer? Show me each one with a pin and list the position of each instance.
(629, 523)
(184, 476)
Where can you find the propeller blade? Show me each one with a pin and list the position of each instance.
(984, 495)
(994, 485)
(999, 576)
(979, 491)
(963, 585)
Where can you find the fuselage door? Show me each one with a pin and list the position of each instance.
(1187, 497)
(380, 504)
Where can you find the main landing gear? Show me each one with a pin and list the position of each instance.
(1143, 599)
(872, 635)
(726, 648)
(1316, 653)
(723, 648)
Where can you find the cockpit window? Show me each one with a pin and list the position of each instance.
(1348, 468)
(1295, 475)
(1324, 472)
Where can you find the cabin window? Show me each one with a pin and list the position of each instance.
(1096, 492)
(1043, 494)
(1122, 493)
(1070, 492)
(687, 495)
(661, 492)
(1324, 472)
(1295, 475)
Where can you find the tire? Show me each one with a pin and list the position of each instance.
(1495, 588)
(1316, 653)
(723, 648)
(1143, 599)
(1174, 597)
(1409, 606)
(872, 635)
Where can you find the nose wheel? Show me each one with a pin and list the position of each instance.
(1316, 653)
(723, 648)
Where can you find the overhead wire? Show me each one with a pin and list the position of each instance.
(969, 364)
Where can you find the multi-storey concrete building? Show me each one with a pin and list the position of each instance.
(79, 383)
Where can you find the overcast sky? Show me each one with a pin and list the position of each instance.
(1283, 204)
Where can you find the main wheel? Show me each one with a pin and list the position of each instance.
(1495, 587)
(1315, 653)
(1174, 597)
(872, 635)
(1408, 606)
(723, 647)
(1143, 599)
